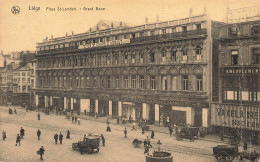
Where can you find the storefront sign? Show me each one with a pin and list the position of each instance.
(236, 116)
(241, 70)
(107, 43)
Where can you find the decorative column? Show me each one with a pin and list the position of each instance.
(156, 114)
(144, 110)
(46, 100)
(65, 103)
(36, 101)
(51, 98)
(96, 106)
(71, 103)
(120, 108)
(110, 108)
(133, 113)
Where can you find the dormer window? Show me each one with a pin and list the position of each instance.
(163, 31)
(133, 35)
(142, 34)
(198, 27)
(151, 33)
(174, 30)
(234, 31)
(184, 29)
(255, 29)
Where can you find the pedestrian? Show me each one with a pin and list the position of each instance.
(56, 138)
(108, 128)
(79, 120)
(22, 132)
(117, 120)
(148, 141)
(41, 152)
(18, 140)
(245, 145)
(75, 119)
(60, 138)
(68, 134)
(221, 136)
(191, 137)
(15, 111)
(170, 130)
(125, 132)
(39, 134)
(146, 148)
(103, 139)
(152, 134)
(39, 116)
(142, 129)
(85, 112)
(4, 135)
(72, 118)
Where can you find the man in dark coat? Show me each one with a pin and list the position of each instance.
(22, 132)
(152, 134)
(56, 138)
(39, 134)
(60, 138)
(143, 129)
(170, 130)
(41, 152)
(39, 116)
(18, 140)
(4, 135)
(125, 132)
(68, 134)
(103, 139)
(222, 136)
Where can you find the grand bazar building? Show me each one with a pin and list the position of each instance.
(163, 71)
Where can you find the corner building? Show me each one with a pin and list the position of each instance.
(239, 78)
(163, 72)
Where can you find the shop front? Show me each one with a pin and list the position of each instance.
(103, 108)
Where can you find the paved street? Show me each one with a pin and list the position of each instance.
(117, 147)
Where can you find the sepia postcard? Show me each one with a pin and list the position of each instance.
(129, 81)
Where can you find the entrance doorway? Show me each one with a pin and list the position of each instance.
(178, 117)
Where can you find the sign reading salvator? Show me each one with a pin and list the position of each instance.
(235, 116)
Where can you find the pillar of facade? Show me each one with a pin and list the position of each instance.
(133, 113)
(120, 108)
(96, 106)
(88, 105)
(46, 101)
(144, 110)
(65, 103)
(220, 90)
(110, 108)
(71, 103)
(205, 115)
(36, 101)
(51, 99)
(156, 114)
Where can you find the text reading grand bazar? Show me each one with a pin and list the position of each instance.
(74, 8)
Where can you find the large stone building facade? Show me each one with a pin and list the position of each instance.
(162, 72)
(239, 77)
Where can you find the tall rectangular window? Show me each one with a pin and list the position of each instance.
(184, 29)
(234, 57)
(256, 56)
(117, 81)
(94, 81)
(152, 82)
(198, 54)
(141, 82)
(185, 83)
(141, 55)
(133, 58)
(152, 57)
(198, 27)
(173, 56)
(134, 82)
(163, 56)
(199, 83)
(164, 83)
(108, 82)
(184, 55)
(126, 82)
(163, 31)
(125, 59)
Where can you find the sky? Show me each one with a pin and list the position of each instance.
(22, 31)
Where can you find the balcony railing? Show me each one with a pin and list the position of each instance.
(170, 36)
(146, 92)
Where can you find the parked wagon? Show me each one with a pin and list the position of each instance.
(90, 144)
(225, 152)
(185, 131)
